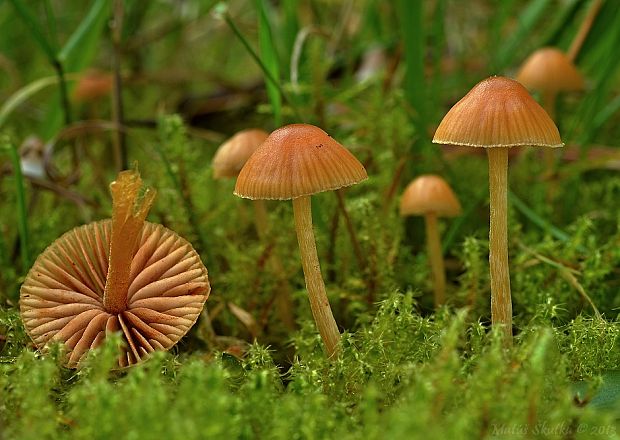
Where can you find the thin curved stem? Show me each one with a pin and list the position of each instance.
(319, 302)
(501, 303)
(435, 257)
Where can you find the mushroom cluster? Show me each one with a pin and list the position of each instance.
(121, 275)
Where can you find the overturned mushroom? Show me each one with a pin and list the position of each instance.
(120, 275)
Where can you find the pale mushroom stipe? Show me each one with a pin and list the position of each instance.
(295, 162)
(496, 114)
(430, 196)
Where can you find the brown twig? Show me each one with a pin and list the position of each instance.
(583, 31)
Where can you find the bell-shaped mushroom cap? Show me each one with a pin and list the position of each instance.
(429, 193)
(298, 160)
(62, 296)
(549, 70)
(234, 153)
(497, 112)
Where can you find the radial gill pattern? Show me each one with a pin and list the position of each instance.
(62, 296)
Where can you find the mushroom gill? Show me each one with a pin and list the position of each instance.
(161, 279)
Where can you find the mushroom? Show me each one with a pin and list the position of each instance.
(230, 158)
(431, 196)
(117, 275)
(92, 86)
(227, 162)
(295, 162)
(549, 71)
(498, 113)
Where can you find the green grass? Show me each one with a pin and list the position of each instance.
(193, 74)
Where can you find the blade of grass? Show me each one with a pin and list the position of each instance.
(438, 44)
(259, 62)
(269, 57)
(77, 53)
(82, 44)
(51, 23)
(528, 18)
(605, 65)
(536, 219)
(23, 94)
(35, 28)
(290, 27)
(411, 26)
(47, 48)
(20, 193)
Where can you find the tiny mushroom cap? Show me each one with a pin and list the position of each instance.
(298, 160)
(234, 153)
(549, 70)
(497, 112)
(94, 84)
(429, 193)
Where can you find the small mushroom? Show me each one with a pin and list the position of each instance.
(295, 162)
(120, 275)
(227, 162)
(498, 113)
(231, 156)
(234, 153)
(431, 196)
(93, 85)
(550, 72)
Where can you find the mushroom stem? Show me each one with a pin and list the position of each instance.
(319, 303)
(501, 304)
(129, 209)
(284, 303)
(260, 218)
(435, 257)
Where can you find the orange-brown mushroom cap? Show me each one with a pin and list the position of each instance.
(62, 296)
(234, 153)
(549, 70)
(429, 193)
(497, 112)
(298, 160)
(93, 85)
